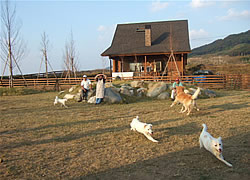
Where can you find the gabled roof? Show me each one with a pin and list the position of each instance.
(129, 41)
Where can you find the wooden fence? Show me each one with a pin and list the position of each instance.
(208, 81)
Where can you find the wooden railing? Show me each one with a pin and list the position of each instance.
(209, 81)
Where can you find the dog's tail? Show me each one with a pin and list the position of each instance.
(204, 127)
(195, 95)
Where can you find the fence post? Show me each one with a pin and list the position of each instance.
(57, 85)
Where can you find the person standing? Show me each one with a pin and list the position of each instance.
(176, 83)
(86, 86)
(100, 86)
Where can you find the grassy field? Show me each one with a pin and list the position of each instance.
(85, 141)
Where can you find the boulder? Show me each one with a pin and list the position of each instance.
(163, 95)
(111, 96)
(108, 84)
(137, 84)
(127, 90)
(116, 89)
(209, 93)
(156, 89)
(77, 97)
(92, 100)
(72, 89)
(141, 92)
(69, 96)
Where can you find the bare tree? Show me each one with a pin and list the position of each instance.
(70, 57)
(44, 49)
(45, 46)
(12, 46)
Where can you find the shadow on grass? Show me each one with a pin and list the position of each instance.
(192, 163)
(66, 138)
(229, 106)
(62, 125)
(186, 129)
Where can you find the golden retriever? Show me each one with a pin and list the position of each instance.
(186, 100)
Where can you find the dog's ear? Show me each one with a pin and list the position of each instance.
(219, 138)
(145, 126)
(137, 117)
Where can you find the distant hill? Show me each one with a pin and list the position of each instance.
(232, 45)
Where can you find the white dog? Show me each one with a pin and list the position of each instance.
(143, 128)
(61, 101)
(212, 144)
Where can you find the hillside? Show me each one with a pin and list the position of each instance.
(232, 45)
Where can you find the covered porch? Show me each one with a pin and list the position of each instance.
(150, 65)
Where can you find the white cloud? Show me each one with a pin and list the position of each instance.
(198, 34)
(101, 28)
(200, 3)
(106, 32)
(199, 37)
(157, 5)
(235, 15)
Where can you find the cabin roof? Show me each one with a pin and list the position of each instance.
(130, 38)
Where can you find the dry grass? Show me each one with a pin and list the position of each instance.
(40, 141)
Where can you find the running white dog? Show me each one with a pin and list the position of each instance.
(212, 144)
(143, 128)
(61, 101)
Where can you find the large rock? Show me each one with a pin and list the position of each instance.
(137, 84)
(163, 96)
(156, 89)
(111, 96)
(127, 90)
(72, 89)
(209, 93)
(141, 92)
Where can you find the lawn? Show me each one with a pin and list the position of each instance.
(86, 141)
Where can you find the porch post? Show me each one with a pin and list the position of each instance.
(114, 65)
(122, 63)
(145, 66)
(182, 65)
(119, 65)
(110, 70)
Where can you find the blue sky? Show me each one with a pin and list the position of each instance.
(93, 24)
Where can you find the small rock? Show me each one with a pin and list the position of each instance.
(69, 96)
(108, 84)
(92, 100)
(186, 91)
(137, 84)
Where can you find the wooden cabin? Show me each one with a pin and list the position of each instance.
(144, 49)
